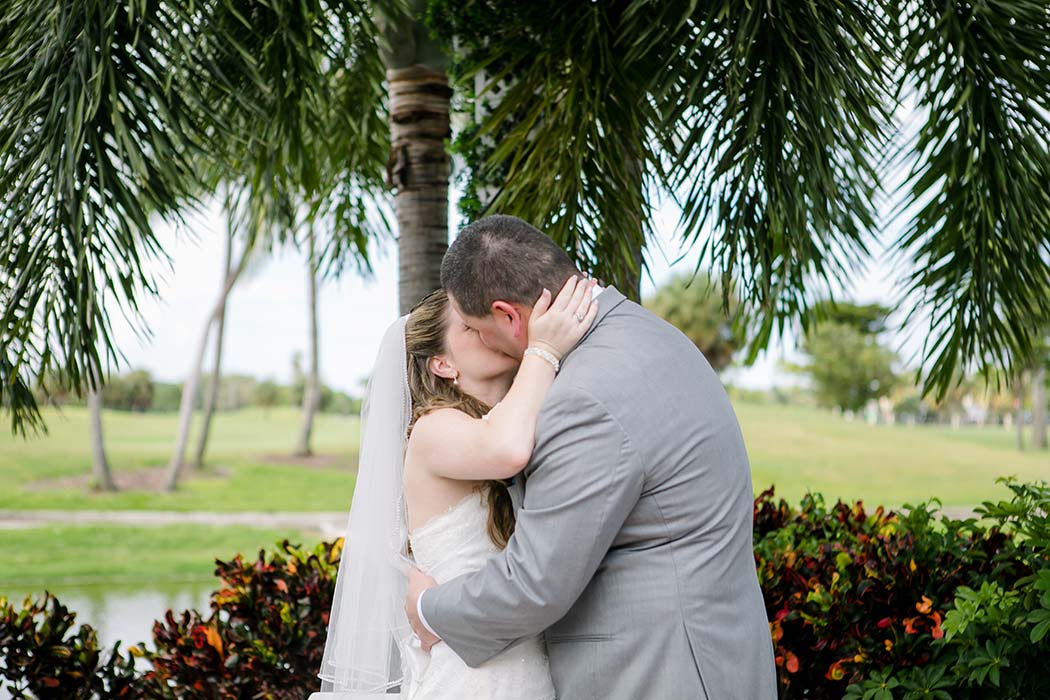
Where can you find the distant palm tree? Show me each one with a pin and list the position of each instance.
(192, 383)
(1039, 420)
(101, 475)
(212, 396)
(312, 387)
(694, 306)
(1019, 400)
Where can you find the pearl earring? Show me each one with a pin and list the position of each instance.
(455, 380)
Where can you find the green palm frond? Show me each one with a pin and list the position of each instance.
(570, 132)
(353, 145)
(311, 135)
(977, 196)
(92, 142)
(111, 112)
(779, 110)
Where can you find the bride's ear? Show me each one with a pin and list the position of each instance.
(440, 367)
(509, 315)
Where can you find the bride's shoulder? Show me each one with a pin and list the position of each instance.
(433, 424)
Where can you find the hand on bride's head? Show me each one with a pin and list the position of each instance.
(557, 325)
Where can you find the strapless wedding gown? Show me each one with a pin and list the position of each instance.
(453, 543)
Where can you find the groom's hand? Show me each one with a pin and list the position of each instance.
(417, 583)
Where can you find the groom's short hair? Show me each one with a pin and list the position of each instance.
(502, 258)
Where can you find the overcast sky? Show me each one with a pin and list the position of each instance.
(267, 312)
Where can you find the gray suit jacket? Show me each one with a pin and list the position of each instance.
(633, 546)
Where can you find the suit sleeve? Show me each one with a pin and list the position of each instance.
(586, 479)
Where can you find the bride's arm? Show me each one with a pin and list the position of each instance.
(449, 443)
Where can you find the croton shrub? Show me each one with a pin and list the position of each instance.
(862, 605)
(262, 639)
(880, 605)
(43, 656)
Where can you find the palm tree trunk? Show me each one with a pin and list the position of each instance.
(212, 396)
(418, 171)
(1019, 409)
(101, 474)
(189, 389)
(1039, 407)
(312, 391)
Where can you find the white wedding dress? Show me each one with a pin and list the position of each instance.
(448, 545)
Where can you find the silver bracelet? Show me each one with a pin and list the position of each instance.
(544, 354)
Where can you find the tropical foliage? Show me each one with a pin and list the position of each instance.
(45, 658)
(861, 604)
(112, 114)
(776, 128)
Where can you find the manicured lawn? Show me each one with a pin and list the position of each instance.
(799, 449)
(242, 472)
(795, 448)
(38, 557)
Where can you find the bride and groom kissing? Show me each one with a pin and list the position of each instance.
(553, 499)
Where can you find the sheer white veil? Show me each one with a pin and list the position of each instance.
(368, 629)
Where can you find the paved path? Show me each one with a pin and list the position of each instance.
(328, 523)
(958, 512)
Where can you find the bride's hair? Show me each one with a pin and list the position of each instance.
(424, 338)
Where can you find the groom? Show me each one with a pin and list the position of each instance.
(633, 545)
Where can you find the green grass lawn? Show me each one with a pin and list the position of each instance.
(241, 446)
(796, 449)
(803, 449)
(38, 557)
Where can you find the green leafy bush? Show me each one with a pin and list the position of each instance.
(996, 640)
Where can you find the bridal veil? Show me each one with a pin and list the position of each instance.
(368, 628)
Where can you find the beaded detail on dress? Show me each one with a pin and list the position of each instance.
(448, 545)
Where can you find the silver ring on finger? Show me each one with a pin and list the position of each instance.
(579, 317)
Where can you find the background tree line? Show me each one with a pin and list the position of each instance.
(138, 391)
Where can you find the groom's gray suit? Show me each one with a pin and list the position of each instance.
(633, 547)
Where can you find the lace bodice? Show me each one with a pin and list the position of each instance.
(453, 543)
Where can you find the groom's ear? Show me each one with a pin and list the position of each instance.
(509, 316)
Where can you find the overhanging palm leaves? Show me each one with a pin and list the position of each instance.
(762, 117)
(113, 111)
(768, 121)
(308, 131)
(979, 236)
(568, 140)
(771, 124)
(778, 111)
(92, 142)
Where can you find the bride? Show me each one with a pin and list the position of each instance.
(445, 422)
